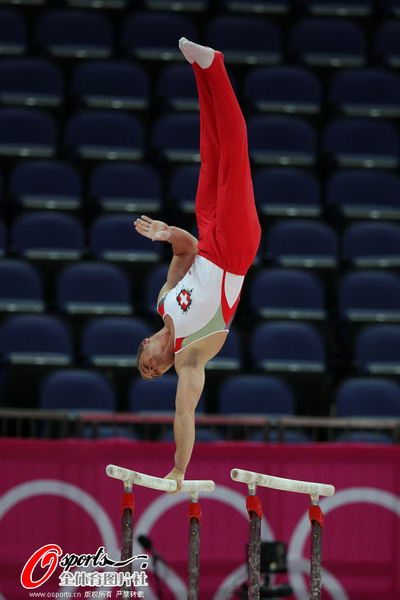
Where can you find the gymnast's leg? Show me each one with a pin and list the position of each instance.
(233, 237)
(207, 189)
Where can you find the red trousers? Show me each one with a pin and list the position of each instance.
(229, 230)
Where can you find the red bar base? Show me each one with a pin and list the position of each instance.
(315, 513)
(194, 511)
(127, 501)
(253, 504)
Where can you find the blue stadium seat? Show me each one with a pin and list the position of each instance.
(126, 187)
(257, 7)
(26, 132)
(370, 296)
(229, 357)
(245, 39)
(290, 90)
(287, 437)
(74, 34)
(35, 340)
(30, 82)
(372, 245)
(365, 194)
(339, 8)
(112, 342)
(113, 237)
(25, 2)
(96, 4)
(21, 289)
(177, 138)
(48, 184)
(93, 289)
(286, 347)
(111, 84)
(387, 43)
(192, 6)
(366, 93)
(13, 37)
(183, 187)
(203, 434)
(155, 280)
(287, 192)
(392, 7)
(328, 43)
(47, 236)
(157, 396)
(377, 350)
(104, 135)
(149, 36)
(362, 143)
(281, 141)
(365, 397)
(287, 294)
(362, 437)
(176, 88)
(77, 390)
(255, 394)
(3, 239)
(305, 244)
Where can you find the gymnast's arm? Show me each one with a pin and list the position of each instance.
(190, 386)
(184, 247)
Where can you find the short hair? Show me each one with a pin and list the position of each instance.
(139, 353)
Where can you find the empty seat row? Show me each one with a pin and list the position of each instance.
(353, 194)
(101, 288)
(340, 8)
(301, 243)
(46, 235)
(124, 85)
(132, 187)
(261, 395)
(112, 342)
(273, 140)
(244, 39)
(80, 391)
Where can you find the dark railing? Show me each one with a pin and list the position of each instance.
(54, 424)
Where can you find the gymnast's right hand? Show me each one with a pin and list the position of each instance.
(156, 231)
(178, 476)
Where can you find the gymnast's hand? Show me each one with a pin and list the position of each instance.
(156, 231)
(177, 475)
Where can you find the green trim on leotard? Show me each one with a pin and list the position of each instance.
(214, 325)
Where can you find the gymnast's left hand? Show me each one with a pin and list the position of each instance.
(156, 231)
(178, 476)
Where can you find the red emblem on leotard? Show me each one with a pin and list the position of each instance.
(184, 299)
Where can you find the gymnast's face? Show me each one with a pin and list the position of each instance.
(153, 359)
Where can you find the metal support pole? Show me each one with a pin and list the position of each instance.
(317, 518)
(127, 509)
(254, 509)
(194, 487)
(194, 548)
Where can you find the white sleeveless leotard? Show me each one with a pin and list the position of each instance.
(203, 302)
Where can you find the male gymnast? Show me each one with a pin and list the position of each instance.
(199, 299)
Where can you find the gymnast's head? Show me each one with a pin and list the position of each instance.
(154, 357)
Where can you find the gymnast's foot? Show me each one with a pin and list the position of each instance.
(202, 55)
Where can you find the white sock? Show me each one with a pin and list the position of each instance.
(196, 53)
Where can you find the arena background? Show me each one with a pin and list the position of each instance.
(99, 124)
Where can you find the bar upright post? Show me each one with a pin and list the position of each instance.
(254, 508)
(317, 520)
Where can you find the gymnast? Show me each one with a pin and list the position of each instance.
(199, 299)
